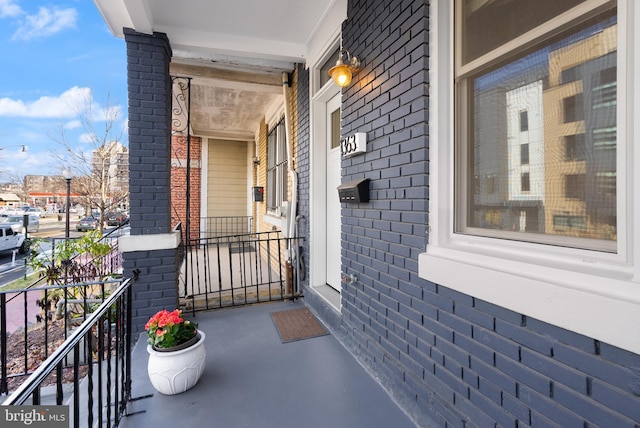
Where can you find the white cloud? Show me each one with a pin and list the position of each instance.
(9, 9)
(73, 124)
(45, 23)
(87, 138)
(107, 114)
(67, 105)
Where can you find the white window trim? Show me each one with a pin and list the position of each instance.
(595, 294)
(272, 117)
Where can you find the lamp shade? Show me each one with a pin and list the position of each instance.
(67, 174)
(341, 74)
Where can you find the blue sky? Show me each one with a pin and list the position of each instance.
(58, 57)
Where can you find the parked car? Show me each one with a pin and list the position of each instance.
(36, 210)
(116, 218)
(11, 240)
(17, 222)
(87, 223)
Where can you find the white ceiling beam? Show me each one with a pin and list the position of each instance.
(140, 15)
(224, 135)
(228, 78)
(115, 15)
(235, 45)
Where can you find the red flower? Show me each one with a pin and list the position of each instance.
(166, 329)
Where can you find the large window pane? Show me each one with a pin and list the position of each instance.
(542, 130)
(488, 24)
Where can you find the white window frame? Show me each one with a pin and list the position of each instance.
(280, 188)
(592, 293)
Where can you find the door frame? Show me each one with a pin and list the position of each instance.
(333, 270)
(318, 187)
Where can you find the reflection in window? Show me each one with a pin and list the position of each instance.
(543, 124)
(574, 147)
(524, 154)
(525, 183)
(573, 108)
(604, 92)
(569, 222)
(524, 121)
(574, 186)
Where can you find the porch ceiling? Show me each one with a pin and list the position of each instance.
(235, 51)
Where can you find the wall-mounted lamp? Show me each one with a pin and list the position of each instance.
(342, 72)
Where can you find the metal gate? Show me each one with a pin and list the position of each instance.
(236, 270)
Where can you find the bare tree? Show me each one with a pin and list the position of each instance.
(92, 169)
(22, 187)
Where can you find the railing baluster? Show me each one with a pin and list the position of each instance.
(45, 304)
(89, 352)
(35, 398)
(4, 388)
(76, 382)
(26, 334)
(108, 403)
(59, 392)
(100, 381)
(116, 392)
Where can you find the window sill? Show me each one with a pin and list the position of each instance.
(273, 220)
(604, 307)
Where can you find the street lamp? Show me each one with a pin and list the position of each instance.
(68, 175)
(23, 148)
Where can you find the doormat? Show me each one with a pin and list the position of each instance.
(297, 324)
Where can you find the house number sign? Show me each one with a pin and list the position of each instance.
(353, 145)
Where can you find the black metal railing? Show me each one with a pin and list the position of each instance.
(35, 321)
(214, 227)
(237, 270)
(91, 370)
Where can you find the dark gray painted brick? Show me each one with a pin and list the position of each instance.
(556, 371)
(523, 375)
(616, 399)
(474, 316)
(488, 407)
(549, 408)
(458, 324)
(498, 343)
(597, 366)
(524, 337)
(588, 409)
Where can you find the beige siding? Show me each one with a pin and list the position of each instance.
(227, 178)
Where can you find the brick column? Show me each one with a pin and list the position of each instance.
(150, 254)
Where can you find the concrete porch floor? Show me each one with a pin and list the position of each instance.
(252, 379)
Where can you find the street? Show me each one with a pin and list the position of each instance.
(12, 267)
(12, 264)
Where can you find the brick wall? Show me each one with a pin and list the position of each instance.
(179, 184)
(303, 150)
(449, 359)
(149, 86)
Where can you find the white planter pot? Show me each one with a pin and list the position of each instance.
(177, 371)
